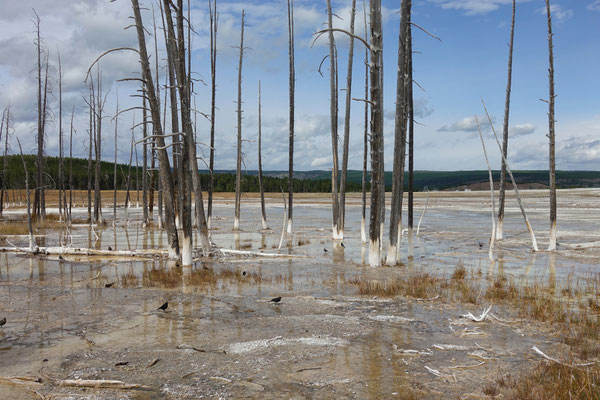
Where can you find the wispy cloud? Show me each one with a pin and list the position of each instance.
(472, 7)
(468, 124)
(558, 13)
(594, 6)
(521, 130)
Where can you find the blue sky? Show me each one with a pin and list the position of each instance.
(469, 64)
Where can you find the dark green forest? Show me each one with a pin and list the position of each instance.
(317, 181)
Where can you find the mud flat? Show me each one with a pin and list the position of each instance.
(76, 324)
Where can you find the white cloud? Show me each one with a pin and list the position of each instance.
(594, 6)
(321, 162)
(468, 124)
(557, 12)
(472, 7)
(521, 130)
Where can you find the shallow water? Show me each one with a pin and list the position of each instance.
(321, 341)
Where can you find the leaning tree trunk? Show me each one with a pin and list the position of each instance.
(399, 137)
(377, 180)
(333, 110)
(343, 176)
(292, 88)
(165, 170)
(238, 172)
(214, 22)
(260, 182)
(552, 167)
(502, 195)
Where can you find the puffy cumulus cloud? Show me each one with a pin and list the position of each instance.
(468, 124)
(321, 162)
(594, 6)
(558, 13)
(423, 109)
(521, 130)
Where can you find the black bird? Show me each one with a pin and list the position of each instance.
(107, 285)
(60, 257)
(109, 248)
(2, 321)
(342, 244)
(480, 244)
(244, 273)
(276, 299)
(164, 306)
(325, 250)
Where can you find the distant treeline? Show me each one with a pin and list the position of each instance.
(274, 181)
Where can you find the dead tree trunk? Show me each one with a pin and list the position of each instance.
(165, 170)
(292, 88)
(260, 182)
(411, 130)
(333, 111)
(214, 23)
(552, 167)
(399, 137)
(238, 173)
(71, 167)
(377, 180)
(91, 146)
(60, 142)
(363, 223)
(501, 197)
(115, 166)
(342, 210)
(4, 195)
(98, 151)
(145, 161)
(38, 198)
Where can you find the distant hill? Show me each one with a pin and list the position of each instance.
(304, 181)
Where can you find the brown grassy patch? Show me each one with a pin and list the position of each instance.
(201, 277)
(419, 286)
(13, 228)
(554, 381)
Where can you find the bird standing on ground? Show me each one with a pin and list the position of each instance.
(325, 250)
(276, 299)
(342, 244)
(2, 321)
(164, 306)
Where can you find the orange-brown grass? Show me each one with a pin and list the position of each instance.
(553, 381)
(129, 280)
(419, 286)
(13, 228)
(175, 277)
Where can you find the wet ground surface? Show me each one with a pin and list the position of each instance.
(221, 337)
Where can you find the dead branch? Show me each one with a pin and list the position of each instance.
(105, 53)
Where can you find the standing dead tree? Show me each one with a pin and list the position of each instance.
(401, 116)
(238, 172)
(260, 182)
(214, 24)
(411, 132)
(342, 210)
(39, 202)
(551, 134)
(292, 88)
(502, 195)
(115, 165)
(376, 98)
(70, 218)
(363, 224)
(333, 112)
(100, 102)
(165, 169)
(3, 184)
(90, 150)
(60, 143)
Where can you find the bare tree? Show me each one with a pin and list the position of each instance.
(502, 195)
(376, 98)
(90, 149)
(98, 149)
(238, 174)
(344, 173)
(363, 228)
(399, 136)
(260, 182)
(71, 167)
(333, 112)
(552, 161)
(115, 165)
(60, 141)
(214, 23)
(411, 130)
(3, 186)
(292, 88)
(145, 163)
(39, 204)
(165, 170)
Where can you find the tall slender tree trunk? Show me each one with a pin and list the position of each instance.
(342, 217)
(377, 180)
(60, 142)
(292, 88)
(4, 195)
(165, 170)
(71, 167)
(115, 165)
(214, 23)
(145, 161)
(38, 198)
(333, 111)
(91, 146)
(363, 223)
(551, 134)
(238, 174)
(399, 137)
(98, 151)
(411, 131)
(502, 195)
(260, 182)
